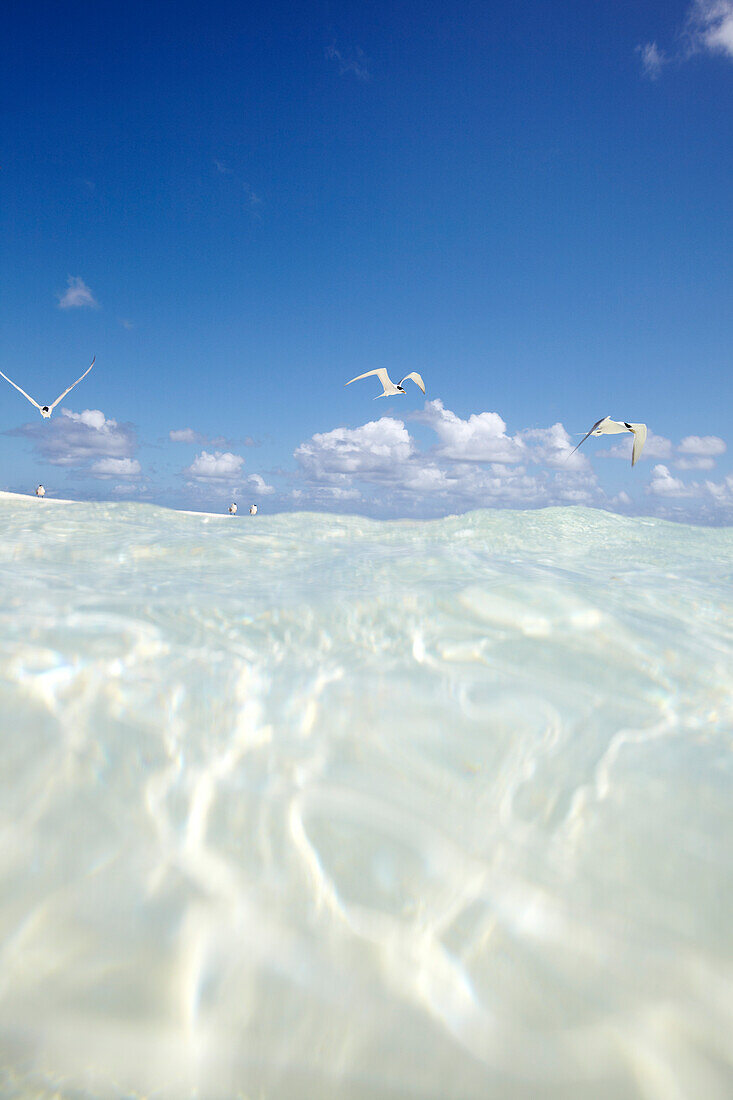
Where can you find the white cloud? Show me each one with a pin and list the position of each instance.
(186, 435)
(710, 26)
(696, 462)
(216, 466)
(721, 491)
(697, 452)
(375, 448)
(355, 62)
(709, 500)
(380, 453)
(472, 463)
(693, 453)
(219, 442)
(77, 439)
(653, 60)
(656, 446)
(76, 295)
(554, 447)
(222, 473)
(116, 467)
(481, 438)
(708, 29)
(257, 482)
(91, 418)
(456, 475)
(427, 478)
(707, 445)
(129, 488)
(663, 484)
(324, 494)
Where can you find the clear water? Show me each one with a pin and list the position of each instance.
(319, 807)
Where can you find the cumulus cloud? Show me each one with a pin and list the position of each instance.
(702, 445)
(379, 453)
(475, 464)
(221, 472)
(554, 447)
(373, 449)
(656, 446)
(695, 462)
(664, 484)
(694, 452)
(78, 439)
(215, 466)
(186, 435)
(258, 483)
(116, 467)
(721, 491)
(699, 452)
(471, 462)
(707, 500)
(481, 438)
(76, 295)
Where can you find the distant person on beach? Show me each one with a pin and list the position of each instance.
(40, 491)
(232, 509)
(253, 509)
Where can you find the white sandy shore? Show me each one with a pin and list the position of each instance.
(40, 500)
(4, 495)
(209, 515)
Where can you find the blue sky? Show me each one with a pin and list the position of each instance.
(237, 208)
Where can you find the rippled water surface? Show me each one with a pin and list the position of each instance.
(318, 807)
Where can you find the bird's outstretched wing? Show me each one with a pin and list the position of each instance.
(416, 378)
(639, 431)
(596, 425)
(63, 395)
(12, 383)
(381, 373)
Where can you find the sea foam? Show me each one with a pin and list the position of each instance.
(314, 806)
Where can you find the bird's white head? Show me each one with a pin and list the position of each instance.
(40, 491)
(253, 509)
(232, 509)
(45, 412)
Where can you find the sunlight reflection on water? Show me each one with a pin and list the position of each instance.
(316, 806)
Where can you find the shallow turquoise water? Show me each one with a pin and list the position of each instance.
(315, 806)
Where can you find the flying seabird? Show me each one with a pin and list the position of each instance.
(606, 426)
(46, 410)
(388, 385)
